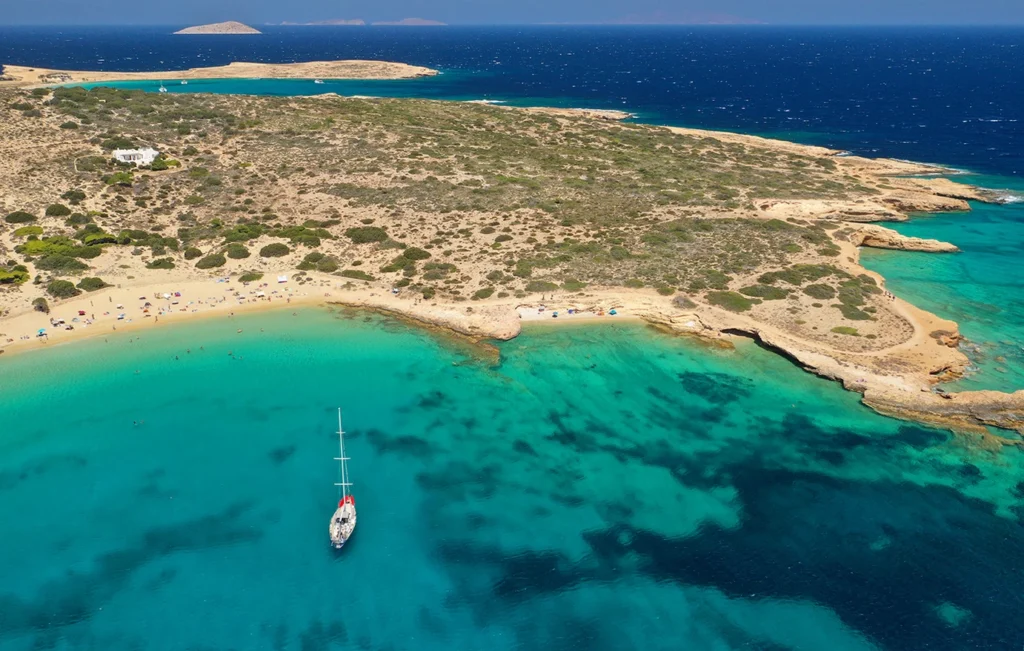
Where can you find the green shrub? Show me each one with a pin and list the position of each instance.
(211, 261)
(327, 265)
(57, 210)
(572, 285)
(846, 330)
(119, 178)
(237, 251)
(634, 283)
(95, 239)
(14, 276)
(414, 253)
(160, 163)
(853, 313)
(25, 231)
(40, 305)
(357, 274)
(191, 253)
(310, 261)
(77, 219)
(311, 241)
(820, 291)
(60, 264)
(732, 301)
(244, 232)
(62, 289)
(118, 142)
(160, 263)
(275, 250)
(70, 124)
(19, 217)
(483, 293)
(540, 286)
(366, 234)
(91, 284)
(74, 197)
(250, 277)
(767, 292)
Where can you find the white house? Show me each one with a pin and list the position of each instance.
(136, 156)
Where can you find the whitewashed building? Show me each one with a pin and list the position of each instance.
(136, 156)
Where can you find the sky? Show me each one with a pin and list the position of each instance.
(259, 12)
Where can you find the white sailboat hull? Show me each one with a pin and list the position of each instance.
(343, 523)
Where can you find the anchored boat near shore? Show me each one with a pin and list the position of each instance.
(343, 522)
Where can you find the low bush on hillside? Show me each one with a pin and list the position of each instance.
(732, 301)
(91, 284)
(57, 210)
(62, 289)
(160, 263)
(19, 217)
(366, 234)
(275, 250)
(211, 261)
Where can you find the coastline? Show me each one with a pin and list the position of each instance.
(30, 77)
(898, 379)
(907, 395)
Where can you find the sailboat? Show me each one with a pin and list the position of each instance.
(343, 522)
(162, 88)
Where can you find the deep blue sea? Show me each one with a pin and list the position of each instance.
(591, 488)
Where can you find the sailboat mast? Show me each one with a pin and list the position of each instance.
(343, 484)
(341, 445)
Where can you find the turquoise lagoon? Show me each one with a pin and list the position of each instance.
(592, 487)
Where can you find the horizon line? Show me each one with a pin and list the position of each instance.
(549, 24)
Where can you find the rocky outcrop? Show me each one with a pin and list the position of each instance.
(885, 238)
(834, 210)
(967, 412)
(477, 322)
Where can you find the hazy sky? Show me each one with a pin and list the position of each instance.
(999, 12)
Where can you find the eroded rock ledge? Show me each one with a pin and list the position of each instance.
(885, 238)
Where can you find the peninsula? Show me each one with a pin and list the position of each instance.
(229, 27)
(351, 69)
(476, 218)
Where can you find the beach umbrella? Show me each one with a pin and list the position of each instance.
(42, 331)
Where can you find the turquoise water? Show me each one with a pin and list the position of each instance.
(979, 288)
(601, 487)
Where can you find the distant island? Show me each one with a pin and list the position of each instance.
(351, 69)
(331, 21)
(229, 27)
(405, 22)
(410, 22)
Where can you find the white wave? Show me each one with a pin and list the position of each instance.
(485, 101)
